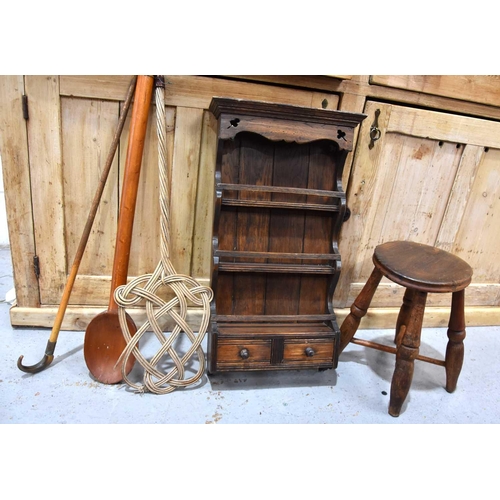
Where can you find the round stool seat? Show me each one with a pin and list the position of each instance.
(422, 267)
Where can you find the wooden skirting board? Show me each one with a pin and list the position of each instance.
(77, 318)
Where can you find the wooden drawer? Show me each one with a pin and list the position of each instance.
(276, 353)
(300, 352)
(243, 354)
(271, 346)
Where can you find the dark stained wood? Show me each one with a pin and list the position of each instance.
(244, 346)
(280, 204)
(304, 116)
(393, 350)
(319, 351)
(421, 269)
(286, 230)
(294, 330)
(314, 293)
(406, 353)
(229, 171)
(256, 167)
(279, 255)
(456, 335)
(403, 315)
(253, 267)
(281, 200)
(230, 351)
(285, 122)
(268, 318)
(359, 309)
(282, 189)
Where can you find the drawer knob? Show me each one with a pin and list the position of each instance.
(244, 354)
(309, 352)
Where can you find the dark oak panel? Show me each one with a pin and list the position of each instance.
(279, 209)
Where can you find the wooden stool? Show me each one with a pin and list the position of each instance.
(421, 269)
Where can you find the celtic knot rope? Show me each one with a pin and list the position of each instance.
(144, 289)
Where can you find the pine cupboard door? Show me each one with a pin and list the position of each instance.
(69, 133)
(68, 141)
(433, 178)
(52, 162)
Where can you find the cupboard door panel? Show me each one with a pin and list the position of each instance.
(412, 209)
(477, 240)
(184, 184)
(432, 178)
(87, 132)
(45, 159)
(17, 187)
(202, 238)
(144, 255)
(53, 160)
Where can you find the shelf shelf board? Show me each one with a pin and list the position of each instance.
(280, 189)
(276, 255)
(275, 318)
(254, 267)
(316, 329)
(231, 202)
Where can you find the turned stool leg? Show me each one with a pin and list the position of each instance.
(359, 308)
(403, 315)
(456, 334)
(406, 353)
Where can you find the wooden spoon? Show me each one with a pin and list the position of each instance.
(104, 341)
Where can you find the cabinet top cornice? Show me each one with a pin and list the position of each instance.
(223, 105)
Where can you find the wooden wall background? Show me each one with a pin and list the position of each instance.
(433, 177)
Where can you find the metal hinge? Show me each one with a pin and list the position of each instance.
(26, 115)
(36, 266)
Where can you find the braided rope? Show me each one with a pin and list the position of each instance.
(144, 289)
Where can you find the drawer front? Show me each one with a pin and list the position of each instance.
(277, 353)
(243, 353)
(308, 352)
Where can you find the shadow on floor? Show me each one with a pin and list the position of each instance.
(426, 376)
(272, 379)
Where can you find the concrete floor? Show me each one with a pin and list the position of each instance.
(355, 393)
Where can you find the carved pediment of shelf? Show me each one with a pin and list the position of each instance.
(283, 122)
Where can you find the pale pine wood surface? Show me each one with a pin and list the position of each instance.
(185, 166)
(424, 182)
(146, 230)
(204, 214)
(17, 186)
(87, 127)
(479, 88)
(406, 182)
(462, 185)
(195, 91)
(478, 237)
(47, 192)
